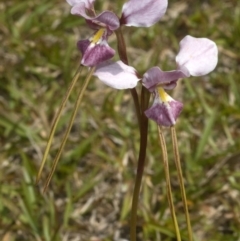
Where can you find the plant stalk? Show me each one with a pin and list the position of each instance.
(122, 52)
(143, 127)
(56, 120)
(76, 106)
(181, 182)
(168, 183)
(145, 95)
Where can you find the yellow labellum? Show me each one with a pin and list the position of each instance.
(97, 36)
(163, 95)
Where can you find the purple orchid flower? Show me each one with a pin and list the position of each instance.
(197, 57)
(95, 50)
(164, 110)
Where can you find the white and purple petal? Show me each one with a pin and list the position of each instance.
(198, 56)
(117, 75)
(106, 19)
(164, 113)
(156, 77)
(88, 3)
(143, 13)
(94, 54)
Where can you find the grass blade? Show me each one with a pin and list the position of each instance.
(205, 135)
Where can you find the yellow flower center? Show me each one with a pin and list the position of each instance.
(162, 94)
(97, 36)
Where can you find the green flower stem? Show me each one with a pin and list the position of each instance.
(180, 179)
(123, 56)
(168, 183)
(76, 106)
(56, 120)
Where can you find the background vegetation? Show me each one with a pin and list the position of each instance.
(89, 196)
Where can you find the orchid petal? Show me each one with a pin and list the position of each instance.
(83, 45)
(143, 13)
(156, 77)
(105, 19)
(198, 56)
(165, 113)
(88, 3)
(94, 54)
(117, 75)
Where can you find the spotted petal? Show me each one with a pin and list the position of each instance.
(143, 13)
(117, 75)
(197, 56)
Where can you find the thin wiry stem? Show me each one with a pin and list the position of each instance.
(76, 106)
(180, 179)
(143, 127)
(168, 183)
(141, 163)
(56, 120)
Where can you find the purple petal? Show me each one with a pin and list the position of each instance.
(198, 56)
(83, 45)
(92, 25)
(117, 75)
(94, 54)
(165, 113)
(105, 19)
(109, 19)
(156, 77)
(143, 13)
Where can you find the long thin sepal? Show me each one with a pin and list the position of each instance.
(76, 106)
(181, 183)
(56, 120)
(168, 183)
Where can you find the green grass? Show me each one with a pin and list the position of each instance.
(91, 190)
